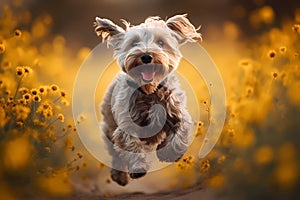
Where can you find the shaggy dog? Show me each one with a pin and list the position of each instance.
(144, 109)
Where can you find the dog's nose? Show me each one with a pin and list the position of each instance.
(146, 58)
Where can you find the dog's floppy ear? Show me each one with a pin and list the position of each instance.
(106, 28)
(186, 32)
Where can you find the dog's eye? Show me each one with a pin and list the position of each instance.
(160, 43)
(134, 43)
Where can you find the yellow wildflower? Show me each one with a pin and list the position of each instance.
(42, 90)
(37, 98)
(27, 69)
(47, 149)
(23, 90)
(200, 124)
(20, 71)
(272, 54)
(62, 93)
(48, 113)
(27, 97)
(22, 102)
(20, 124)
(79, 155)
(34, 91)
(221, 159)
(65, 102)
(21, 112)
(2, 48)
(45, 109)
(84, 164)
(61, 117)
(18, 33)
(296, 28)
(186, 162)
(282, 49)
(54, 88)
(10, 100)
(204, 166)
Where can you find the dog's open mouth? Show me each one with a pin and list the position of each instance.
(148, 73)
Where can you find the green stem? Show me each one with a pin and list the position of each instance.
(56, 99)
(18, 86)
(51, 124)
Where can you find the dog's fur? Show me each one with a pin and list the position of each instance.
(143, 83)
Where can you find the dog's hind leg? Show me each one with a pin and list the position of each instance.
(118, 172)
(119, 166)
(130, 150)
(108, 126)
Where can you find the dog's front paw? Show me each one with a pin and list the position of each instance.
(138, 169)
(168, 154)
(138, 173)
(119, 177)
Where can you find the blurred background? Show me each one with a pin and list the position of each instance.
(74, 19)
(255, 44)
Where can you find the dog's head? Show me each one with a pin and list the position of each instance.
(148, 52)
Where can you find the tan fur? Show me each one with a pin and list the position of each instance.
(149, 88)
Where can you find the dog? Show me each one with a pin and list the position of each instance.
(144, 109)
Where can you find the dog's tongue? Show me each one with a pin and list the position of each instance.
(148, 73)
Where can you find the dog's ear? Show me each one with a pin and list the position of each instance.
(185, 31)
(106, 28)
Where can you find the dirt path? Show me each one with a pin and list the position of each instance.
(193, 193)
